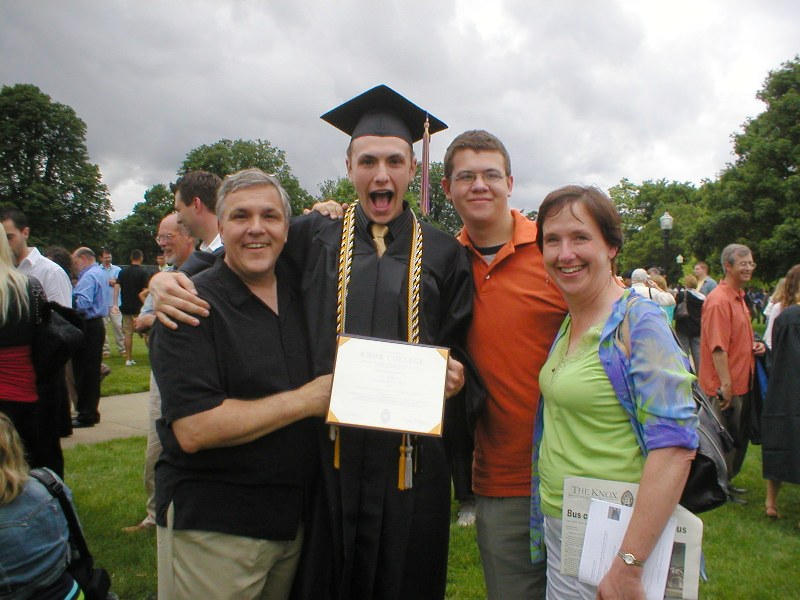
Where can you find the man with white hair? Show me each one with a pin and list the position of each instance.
(727, 349)
(644, 285)
(174, 239)
(238, 401)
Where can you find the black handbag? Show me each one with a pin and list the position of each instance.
(94, 582)
(57, 335)
(681, 310)
(707, 485)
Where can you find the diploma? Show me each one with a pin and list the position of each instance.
(388, 385)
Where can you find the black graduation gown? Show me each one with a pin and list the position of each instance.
(780, 420)
(371, 540)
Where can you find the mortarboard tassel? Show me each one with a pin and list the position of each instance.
(425, 191)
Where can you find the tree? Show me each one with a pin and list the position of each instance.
(756, 200)
(225, 157)
(442, 214)
(45, 169)
(340, 189)
(138, 230)
(641, 208)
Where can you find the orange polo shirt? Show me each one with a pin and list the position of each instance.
(725, 325)
(515, 318)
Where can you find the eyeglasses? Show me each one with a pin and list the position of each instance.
(745, 265)
(468, 177)
(167, 237)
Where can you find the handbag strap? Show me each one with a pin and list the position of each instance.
(57, 491)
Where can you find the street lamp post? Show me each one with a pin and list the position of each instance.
(666, 222)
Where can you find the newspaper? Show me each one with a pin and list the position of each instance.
(605, 530)
(683, 579)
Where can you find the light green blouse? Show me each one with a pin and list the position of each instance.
(586, 431)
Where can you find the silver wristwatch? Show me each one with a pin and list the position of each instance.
(630, 559)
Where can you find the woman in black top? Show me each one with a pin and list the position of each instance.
(688, 327)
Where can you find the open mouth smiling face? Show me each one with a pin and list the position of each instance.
(381, 169)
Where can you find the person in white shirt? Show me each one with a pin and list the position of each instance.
(54, 413)
(644, 285)
(30, 261)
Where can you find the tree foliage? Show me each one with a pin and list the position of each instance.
(442, 214)
(340, 189)
(225, 157)
(756, 200)
(45, 169)
(641, 208)
(138, 230)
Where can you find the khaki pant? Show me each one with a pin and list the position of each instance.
(153, 449)
(217, 566)
(116, 327)
(504, 543)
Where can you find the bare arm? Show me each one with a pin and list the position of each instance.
(236, 422)
(115, 302)
(175, 297)
(660, 489)
(720, 358)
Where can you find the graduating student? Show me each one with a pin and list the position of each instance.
(387, 542)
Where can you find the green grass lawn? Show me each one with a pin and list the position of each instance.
(127, 380)
(748, 556)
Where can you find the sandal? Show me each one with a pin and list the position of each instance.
(772, 512)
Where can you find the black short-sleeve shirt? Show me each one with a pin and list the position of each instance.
(242, 350)
(132, 280)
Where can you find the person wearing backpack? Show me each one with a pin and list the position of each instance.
(34, 534)
(607, 412)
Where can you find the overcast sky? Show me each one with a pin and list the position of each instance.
(580, 91)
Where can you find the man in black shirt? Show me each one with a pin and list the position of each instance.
(238, 401)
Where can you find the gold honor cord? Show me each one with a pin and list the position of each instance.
(406, 464)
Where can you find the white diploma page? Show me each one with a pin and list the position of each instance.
(605, 529)
(388, 385)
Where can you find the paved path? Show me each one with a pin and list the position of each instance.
(121, 416)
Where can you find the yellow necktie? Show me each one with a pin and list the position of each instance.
(379, 237)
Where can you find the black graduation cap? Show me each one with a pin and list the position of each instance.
(383, 112)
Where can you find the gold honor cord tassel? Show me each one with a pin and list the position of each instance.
(414, 285)
(405, 470)
(407, 463)
(343, 282)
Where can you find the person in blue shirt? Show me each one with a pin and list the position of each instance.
(89, 299)
(111, 292)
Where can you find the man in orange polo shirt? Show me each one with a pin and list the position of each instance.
(516, 315)
(727, 349)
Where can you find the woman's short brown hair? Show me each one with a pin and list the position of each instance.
(595, 201)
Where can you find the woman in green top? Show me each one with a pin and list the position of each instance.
(596, 424)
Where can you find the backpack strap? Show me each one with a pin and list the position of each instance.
(56, 488)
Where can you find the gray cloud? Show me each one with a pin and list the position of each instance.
(580, 92)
